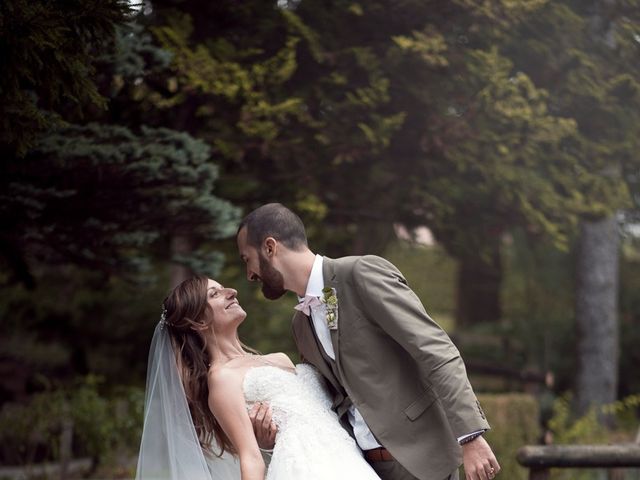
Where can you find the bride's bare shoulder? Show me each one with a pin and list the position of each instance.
(282, 359)
(225, 376)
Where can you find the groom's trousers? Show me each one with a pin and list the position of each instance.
(392, 470)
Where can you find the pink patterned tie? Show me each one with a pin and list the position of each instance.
(307, 304)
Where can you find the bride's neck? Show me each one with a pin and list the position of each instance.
(223, 348)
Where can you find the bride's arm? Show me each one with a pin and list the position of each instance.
(226, 401)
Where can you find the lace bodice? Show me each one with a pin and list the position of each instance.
(310, 443)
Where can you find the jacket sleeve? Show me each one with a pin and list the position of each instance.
(387, 300)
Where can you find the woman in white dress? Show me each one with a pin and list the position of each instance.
(201, 383)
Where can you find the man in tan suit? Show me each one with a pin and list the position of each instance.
(398, 382)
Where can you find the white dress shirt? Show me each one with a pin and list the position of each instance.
(364, 437)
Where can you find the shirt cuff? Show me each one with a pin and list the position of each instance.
(470, 436)
(268, 451)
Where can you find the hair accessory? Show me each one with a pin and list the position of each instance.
(163, 317)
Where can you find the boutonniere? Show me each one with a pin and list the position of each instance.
(330, 301)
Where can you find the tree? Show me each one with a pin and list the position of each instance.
(291, 114)
(309, 97)
(95, 195)
(597, 326)
(88, 200)
(478, 151)
(46, 52)
(102, 197)
(585, 54)
(492, 167)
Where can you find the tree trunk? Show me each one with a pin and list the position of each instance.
(66, 441)
(372, 238)
(478, 290)
(180, 247)
(597, 314)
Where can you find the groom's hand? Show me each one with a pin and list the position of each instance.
(479, 461)
(264, 427)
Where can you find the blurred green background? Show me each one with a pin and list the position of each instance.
(487, 148)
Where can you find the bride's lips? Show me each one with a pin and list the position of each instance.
(232, 305)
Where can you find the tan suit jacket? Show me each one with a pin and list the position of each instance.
(396, 365)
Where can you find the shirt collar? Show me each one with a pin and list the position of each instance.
(315, 284)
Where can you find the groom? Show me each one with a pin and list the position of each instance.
(398, 382)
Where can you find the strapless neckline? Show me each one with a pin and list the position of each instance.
(260, 367)
(307, 426)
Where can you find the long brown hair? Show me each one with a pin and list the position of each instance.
(188, 311)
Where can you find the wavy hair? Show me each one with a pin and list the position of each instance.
(188, 313)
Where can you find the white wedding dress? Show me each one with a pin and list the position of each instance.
(310, 444)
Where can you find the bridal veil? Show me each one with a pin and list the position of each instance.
(169, 449)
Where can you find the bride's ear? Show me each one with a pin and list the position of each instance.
(200, 326)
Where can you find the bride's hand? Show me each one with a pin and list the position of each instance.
(264, 427)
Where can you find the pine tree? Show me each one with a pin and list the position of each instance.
(46, 60)
(101, 196)
(96, 195)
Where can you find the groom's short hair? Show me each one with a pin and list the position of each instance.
(277, 221)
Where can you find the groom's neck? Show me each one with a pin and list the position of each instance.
(296, 268)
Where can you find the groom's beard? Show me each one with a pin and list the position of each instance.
(272, 280)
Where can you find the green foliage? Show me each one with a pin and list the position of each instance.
(514, 420)
(505, 12)
(537, 297)
(291, 114)
(83, 216)
(523, 177)
(579, 52)
(588, 430)
(76, 322)
(621, 407)
(102, 425)
(569, 430)
(134, 55)
(538, 303)
(46, 59)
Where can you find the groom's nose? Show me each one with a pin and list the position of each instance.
(252, 276)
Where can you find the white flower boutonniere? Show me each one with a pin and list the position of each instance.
(330, 301)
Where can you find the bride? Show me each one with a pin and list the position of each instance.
(202, 382)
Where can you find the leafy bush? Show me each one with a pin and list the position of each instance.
(103, 426)
(587, 430)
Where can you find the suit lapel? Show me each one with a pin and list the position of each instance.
(309, 347)
(305, 338)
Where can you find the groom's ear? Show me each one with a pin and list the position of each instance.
(270, 246)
